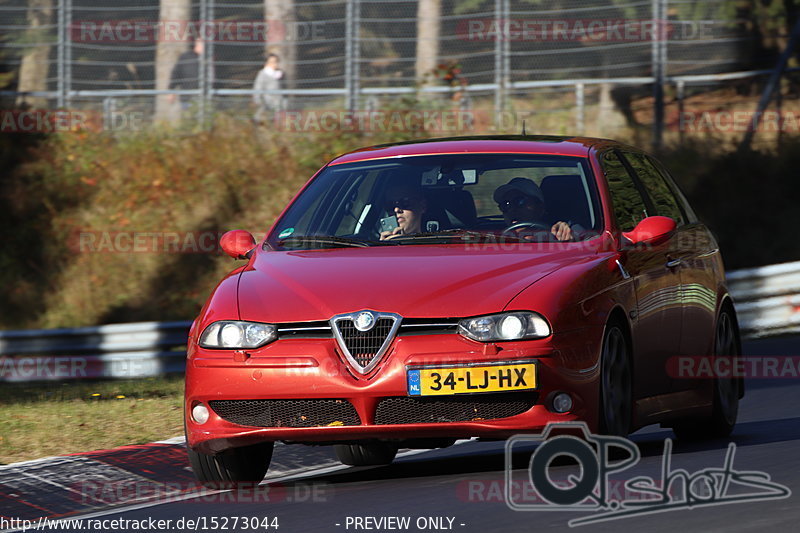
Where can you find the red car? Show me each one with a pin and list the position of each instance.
(417, 293)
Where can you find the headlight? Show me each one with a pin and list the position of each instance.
(237, 334)
(505, 327)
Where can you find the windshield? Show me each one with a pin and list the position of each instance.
(439, 198)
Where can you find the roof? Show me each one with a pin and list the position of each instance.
(522, 144)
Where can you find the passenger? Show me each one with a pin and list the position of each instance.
(408, 205)
(520, 200)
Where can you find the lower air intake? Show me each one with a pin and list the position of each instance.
(407, 410)
(287, 413)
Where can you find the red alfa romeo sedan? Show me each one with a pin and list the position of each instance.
(417, 293)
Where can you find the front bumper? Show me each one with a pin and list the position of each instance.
(313, 369)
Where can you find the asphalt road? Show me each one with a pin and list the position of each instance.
(461, 488)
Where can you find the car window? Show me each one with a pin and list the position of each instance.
(353, 201)
(686, 209)
(629, 206)
(657, 188)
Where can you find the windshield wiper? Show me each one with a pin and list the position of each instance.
(325, 239)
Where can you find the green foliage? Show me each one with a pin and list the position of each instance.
(234, 176)
(158, 180)
(748, 199)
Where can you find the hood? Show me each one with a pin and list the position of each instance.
(413, 281)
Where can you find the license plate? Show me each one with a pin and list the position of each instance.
(440, 381)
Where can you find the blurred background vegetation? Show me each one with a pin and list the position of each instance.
(233, 176)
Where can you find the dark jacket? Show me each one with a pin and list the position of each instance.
(186, 73)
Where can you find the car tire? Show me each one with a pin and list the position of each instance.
(246, 465)
(727, 390)
(370, 454)
(616, 398)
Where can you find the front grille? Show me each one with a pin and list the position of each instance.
(287, 413)
(305, 330)
(428, 326)
(407, 410)
(363, 346)
(409, 326)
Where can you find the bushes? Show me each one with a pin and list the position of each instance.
(200, 183)
(748, 199)
(87, 185)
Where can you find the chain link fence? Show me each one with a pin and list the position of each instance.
(100, 56)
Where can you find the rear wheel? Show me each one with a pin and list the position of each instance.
(726, 389)
(246, 465)
(369, 454)
(616, 403)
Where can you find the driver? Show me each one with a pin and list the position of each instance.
(520, 200)
(408, 204)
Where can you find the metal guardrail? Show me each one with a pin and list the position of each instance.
(767, 302)
(767, 299)
(136, 350)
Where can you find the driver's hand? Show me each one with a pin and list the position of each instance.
(562, 231)
(391, 234)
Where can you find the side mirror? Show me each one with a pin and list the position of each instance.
(237, 243)
(652, 230)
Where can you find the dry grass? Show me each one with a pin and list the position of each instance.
(153, 181)
(55, 419)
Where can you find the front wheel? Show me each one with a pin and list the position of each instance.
(246, 465)
(369, 454)
(616, 399)
(727, 391)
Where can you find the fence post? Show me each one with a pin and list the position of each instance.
(658, 59)
(68, 54)
(108, 113)
(506, 40)
(680, 90)
(579, 107)
(351, 51)
(208, 51)
(60, 53)
(499, 103)
(201, 75)
(356, 53)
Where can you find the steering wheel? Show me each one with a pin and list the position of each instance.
(533, 225)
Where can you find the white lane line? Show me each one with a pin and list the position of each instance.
(34, 462)
(292, 476)
(61, 458)
(173, 440)
(49, 482)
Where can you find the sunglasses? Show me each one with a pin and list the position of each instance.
(405, 202)
(515, 203)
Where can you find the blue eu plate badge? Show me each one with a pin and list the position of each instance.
(413, 383)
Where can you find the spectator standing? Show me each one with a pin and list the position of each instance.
(268, 81)
(186, 74)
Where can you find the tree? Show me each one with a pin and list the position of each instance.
(35, 59)
(281, 22)
(429, 14)
(168, 51)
